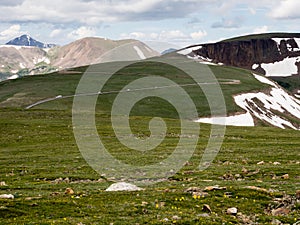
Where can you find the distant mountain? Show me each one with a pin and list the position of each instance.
(26, 40)
(94, 50)
(22, 55)
(168, 51)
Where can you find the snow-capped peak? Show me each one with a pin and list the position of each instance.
(26, 40)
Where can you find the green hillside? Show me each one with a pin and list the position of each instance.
(28, 90)
(40, 158)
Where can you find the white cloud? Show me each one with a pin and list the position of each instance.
(11, 32)
(133, 35)
(172, 35)
(228, 23)
(94, 12)
(82, 32)
(55, 33)
(286, 10)
(263, 29)
(198, 35)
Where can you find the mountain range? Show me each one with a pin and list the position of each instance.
(26, 56)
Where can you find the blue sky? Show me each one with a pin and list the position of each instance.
(178, 22)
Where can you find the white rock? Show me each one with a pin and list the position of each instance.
(232, 211)
(7, 196)
(261, 163)
(123, 186)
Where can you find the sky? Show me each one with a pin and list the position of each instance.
(176, 22)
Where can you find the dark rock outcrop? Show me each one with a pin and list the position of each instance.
(246, 53)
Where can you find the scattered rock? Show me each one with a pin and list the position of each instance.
(123, 186)
(213, 188)
(280, 211)
(193, 189)
(276, 163)
(2, 183)
(257, 189)
(7, 196)
(203, 215)
(176, 217)
(228, 176)
(232, 211)
(32, 198)
(276, 222)
(285, 176)
(261, 163)
(200, 194)
(244, 170)
(69, 191)
(206, 208)
(144, 203)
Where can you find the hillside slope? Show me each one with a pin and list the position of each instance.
(259, 99)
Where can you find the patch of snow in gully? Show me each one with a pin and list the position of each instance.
(139, 52)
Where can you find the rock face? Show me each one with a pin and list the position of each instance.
(251, 52)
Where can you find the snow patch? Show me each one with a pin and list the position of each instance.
(39, 60)
(264, 80)
(237, 120)
(148, 49)
(13, 77)
(189, 50)
(209, 63)
(2, 66)
(277, 100)
(16, 46)
(139, 52)
(22, 65)
(255, 66)
(285, 67)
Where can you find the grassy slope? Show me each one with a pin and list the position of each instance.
(37, 146)
(25, 91)
(291, 83)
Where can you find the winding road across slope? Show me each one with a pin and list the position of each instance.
(226, 81)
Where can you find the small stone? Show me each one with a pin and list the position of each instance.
(176, 217)
(261, 163)
(232, 211)
(144, 203)
(206, 208)
(200, 194)
(276, 222)
(244, 170)
(7, 196)
(69, 191)
(285, 176)
(213, 188)
(193, 189)
(2, 183)
(280, 211)
(203, 215)
(298, 194)
(276, 163)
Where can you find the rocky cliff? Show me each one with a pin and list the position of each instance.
(261, 53)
